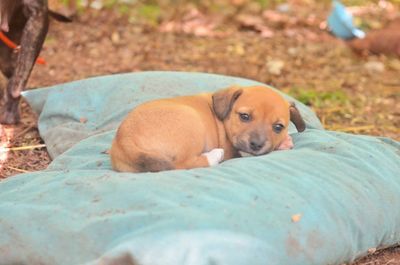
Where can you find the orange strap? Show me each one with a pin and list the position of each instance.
(12, 45)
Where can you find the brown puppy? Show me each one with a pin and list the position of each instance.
(204, 129)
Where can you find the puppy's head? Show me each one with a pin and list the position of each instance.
(256, 119)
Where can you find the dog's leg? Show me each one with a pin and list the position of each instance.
(32, 39)
(212, 158)
(215, 156)
(6, 68)
(3, 83)
(286, 144)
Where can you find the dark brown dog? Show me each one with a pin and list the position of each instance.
(24, 22)
(381, 41)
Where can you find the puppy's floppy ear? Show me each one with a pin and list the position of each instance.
(296, 118)
(223, 101)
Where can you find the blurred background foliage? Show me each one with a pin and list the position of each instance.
(156, 11)
(284, 43)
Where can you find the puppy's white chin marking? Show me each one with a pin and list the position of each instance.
(215, 156)
(244, 154)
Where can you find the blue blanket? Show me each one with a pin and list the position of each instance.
(327, 201)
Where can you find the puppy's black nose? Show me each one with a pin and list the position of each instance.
(256, 145)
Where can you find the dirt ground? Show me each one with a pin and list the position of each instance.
(289, 50)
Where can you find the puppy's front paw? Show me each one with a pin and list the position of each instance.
(286, 144)
(215, 156)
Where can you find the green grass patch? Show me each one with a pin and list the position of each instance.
(319, 99)
(150, 13)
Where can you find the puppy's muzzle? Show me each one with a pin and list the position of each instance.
(256, 144)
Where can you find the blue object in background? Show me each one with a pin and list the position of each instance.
(341, 23)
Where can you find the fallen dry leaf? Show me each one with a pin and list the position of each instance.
(275, 67)
(371, 250)
(193, 22)
(296, 218)
(256, 24)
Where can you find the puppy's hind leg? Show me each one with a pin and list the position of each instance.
(141, 163)
(286, 144)
(211, 158)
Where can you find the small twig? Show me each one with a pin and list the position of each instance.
(390, 261)
(370, 263)
(25, 130)
(391, 84)
(18, 169)
(333, 109)
(19, 148)
(323, 120)
(352, 129)
(389, 127)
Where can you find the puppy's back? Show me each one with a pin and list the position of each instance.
(158, 135)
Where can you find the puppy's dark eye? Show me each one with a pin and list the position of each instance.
(278, 127)
(244, 117)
